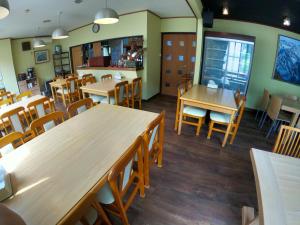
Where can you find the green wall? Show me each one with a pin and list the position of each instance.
(25, 59)
(264, 58)
(179, 25)
(7, 67)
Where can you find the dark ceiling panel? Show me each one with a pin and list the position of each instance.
(268, 12)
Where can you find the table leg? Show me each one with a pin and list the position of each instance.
(229, 127)
(108, 99)
(180, 117)
(294, 120)
(248, 217)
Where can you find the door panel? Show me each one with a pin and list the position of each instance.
(76, 57)
(178, 61)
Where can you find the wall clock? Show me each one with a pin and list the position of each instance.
(96, 28)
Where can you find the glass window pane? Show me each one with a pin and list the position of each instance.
(181, 58)
(169, 43)
(181, 43)
(194, 43)
(169, 57)
(193, 59)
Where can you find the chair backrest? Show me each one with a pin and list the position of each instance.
(88, 80)
(24, 95)
(87, 75)
(274, 107)
(79, 106)
(10, 142)
(265, 100)
(5, 102)
(38, 107)
(241, 102)
(288, 141)
(105, 77)
(5, 95)
(46, 122)
(72, 85)
(122, 175)
(136, 87)
(154, 135)
(121, 93)
(16, 118)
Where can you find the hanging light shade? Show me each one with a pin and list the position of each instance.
(60, 33)
(4, 9)
(38, 43)
(106, 16)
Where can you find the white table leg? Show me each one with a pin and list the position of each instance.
(180, 117)
(248, 217)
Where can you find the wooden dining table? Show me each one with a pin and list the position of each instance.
(53, 174)
(277, 179)
(102, 88)
(219, 100)
(23, 103)
(292, 106)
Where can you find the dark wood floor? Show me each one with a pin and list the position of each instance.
(200, 182)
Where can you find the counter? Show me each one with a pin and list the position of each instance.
(99, 71)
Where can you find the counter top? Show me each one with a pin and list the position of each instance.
(110, 68)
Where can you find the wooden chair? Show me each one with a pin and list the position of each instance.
(263, 105)
(79, 106)
(123, 181)
(38, 108)
(153, 145)
(120, 95)
(88, 80)
(71, 92)
(10, 142)
(288, 142)
(223, 119)
(17, 121)
(5, 102)
(135, 93)
(189, 112)
(105, 77)
(24, 95)
(5, 95)
(46, 122)
(275, 114)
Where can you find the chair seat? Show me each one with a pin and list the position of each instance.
(105, 100)
(105, 195)
(91, 217)
(97, 98)
(62, 91)
(220, 117)
(194, 111)
(6, 149)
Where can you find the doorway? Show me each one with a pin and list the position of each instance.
(178, 60)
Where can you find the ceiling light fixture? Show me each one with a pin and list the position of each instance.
(286, 21)
(106, 16)
(225, 11)
(37, 42)
(4, 9)
(60, 32)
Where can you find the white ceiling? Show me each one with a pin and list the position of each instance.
(21, 24)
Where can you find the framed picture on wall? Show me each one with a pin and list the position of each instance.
(41, 56)
(287, 63)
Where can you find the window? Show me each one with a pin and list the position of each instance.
(227, 62)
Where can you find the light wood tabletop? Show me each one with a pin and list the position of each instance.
(56, 171)
(219, 100)
(102, 88)
(292, 106)
(22, 103)
(278, 187)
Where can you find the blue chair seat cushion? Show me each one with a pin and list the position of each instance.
(97, 98)
(220, 117)
(105, 100)
(194, 111)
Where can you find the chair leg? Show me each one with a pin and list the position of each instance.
(211, 125)
(263, 121)
(235, 129)
(140, 103)
(146, 171)
(199, 126)
(102, 213)
(256, 116)
(271, 128)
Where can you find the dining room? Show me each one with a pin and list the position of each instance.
(149, 112)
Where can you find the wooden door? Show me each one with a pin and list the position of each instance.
(178, 61)
(76, 58)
